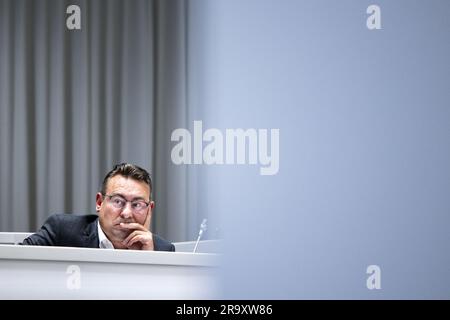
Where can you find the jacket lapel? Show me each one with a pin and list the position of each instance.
(91, 235)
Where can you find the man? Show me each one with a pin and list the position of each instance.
(124, 207)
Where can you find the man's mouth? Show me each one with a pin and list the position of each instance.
(118, 224)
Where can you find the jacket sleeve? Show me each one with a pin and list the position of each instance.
(46, 236)
(162, 244)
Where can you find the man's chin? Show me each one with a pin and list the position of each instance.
(119, 233)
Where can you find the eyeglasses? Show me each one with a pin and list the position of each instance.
(119, 202)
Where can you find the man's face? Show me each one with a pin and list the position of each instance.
(110, 216)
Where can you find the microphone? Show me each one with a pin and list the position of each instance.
(203, 228)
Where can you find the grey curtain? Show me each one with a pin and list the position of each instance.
(75, 102)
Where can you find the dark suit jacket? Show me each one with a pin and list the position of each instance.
(68, 230)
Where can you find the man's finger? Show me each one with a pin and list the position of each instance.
(133, 225)
(138, 238)
(130, 236)
(148, 218)
(146, 241)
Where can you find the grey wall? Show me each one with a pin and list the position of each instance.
(364, 121)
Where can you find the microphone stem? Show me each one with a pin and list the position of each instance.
(196, 243)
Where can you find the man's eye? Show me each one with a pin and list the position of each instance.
(137, 205)
(118, 202)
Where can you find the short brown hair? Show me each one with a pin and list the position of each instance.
(128, 170)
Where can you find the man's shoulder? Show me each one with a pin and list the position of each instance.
(75, 230)
(70, 218)
(162, 244)
(69, 230)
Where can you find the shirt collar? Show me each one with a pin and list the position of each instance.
(103, 241)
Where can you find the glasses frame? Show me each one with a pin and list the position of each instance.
(110, 196)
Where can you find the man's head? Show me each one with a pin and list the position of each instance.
(127, 170)
(125, 197)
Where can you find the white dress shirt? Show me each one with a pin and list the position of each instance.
(103, 241)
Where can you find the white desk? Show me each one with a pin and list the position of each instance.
(204, 246)
(32, 272)
(13, 237)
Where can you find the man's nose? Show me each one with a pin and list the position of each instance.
(126, 211)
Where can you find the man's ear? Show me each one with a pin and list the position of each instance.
(98, 201)
(152, 204)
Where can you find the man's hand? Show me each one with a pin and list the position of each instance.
(141, 238)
